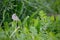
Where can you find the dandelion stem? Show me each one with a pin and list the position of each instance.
(14, 31)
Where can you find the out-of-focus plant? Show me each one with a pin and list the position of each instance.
(26, 7)
(33, 23)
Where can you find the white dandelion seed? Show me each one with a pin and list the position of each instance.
(15, 17)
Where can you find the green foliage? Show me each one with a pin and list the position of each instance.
(34, 23)
(26, 7)
(40, 28)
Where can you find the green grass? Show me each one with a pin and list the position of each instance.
(37, 20)
(40, 28)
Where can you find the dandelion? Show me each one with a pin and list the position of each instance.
(15, 17)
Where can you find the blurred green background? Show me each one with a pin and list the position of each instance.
(39, 19)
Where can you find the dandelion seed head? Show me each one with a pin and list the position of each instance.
(15, 17)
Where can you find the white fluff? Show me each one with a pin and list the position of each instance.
(15, 18)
